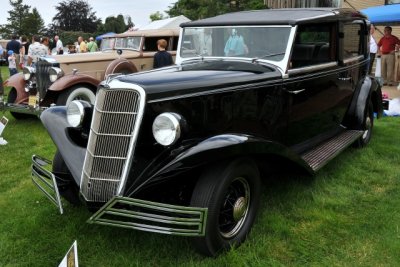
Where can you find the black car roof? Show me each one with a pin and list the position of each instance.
(285, 16)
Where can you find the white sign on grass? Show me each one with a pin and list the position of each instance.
(71, 258)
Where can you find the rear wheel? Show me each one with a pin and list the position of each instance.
(76, 93)
(65, 183)
(231, 192)
(368, 124)
(12, 96)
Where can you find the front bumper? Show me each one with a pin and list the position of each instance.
(127, 212)
(21, 108)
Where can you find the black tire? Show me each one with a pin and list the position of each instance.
(12, 96)
(65, 183)
(368, 124)
(231, 192)
(75, 93)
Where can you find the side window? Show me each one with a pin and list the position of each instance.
(314, 44)
(352, 41)
(150, 43)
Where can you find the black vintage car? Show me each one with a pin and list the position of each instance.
(182, 150)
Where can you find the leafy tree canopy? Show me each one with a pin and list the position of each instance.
(22, 21)
(200, 9)
(157, 16)
(75, 15)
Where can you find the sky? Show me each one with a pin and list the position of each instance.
(139, 10)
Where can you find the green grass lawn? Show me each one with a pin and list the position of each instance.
(347, 215)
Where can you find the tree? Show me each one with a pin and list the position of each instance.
(22, 21)
(129, 22)
(33, 24)
(75, 15)
(115, 24)
(199, 9)
(157, 16)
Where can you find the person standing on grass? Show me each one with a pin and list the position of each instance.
(162, 58)
(15, 46)
(92, 46)
(12, 63)
(373, 49)
(388, 44)
(59, 45)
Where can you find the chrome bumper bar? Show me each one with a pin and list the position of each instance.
(152, 217)
(19, 108)
(45, 180)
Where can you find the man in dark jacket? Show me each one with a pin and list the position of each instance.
(15, 46)
(162, 57)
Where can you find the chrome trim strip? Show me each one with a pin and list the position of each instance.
(312, 68)
(43, 179)
(218, 91)
(353, 59)
(152, 217)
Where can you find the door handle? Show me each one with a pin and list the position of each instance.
(297, 91)
(344, 78)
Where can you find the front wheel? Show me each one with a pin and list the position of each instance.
(368, 124)
(231, 192)
(76, 93)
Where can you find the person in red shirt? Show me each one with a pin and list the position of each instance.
(388, 44)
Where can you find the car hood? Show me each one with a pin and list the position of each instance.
(108, 55)
(182, 80)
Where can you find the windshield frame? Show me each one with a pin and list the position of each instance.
(281, 64)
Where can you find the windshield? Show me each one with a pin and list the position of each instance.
(107, 44)
(121, 43)
(128, 43)
(261, 42)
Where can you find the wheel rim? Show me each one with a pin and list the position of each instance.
(235, 208)
(368, 125)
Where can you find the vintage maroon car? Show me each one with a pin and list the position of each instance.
(182, 150)
(59, 79)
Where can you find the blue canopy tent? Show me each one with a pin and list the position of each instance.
(383, 15)
(100, 37)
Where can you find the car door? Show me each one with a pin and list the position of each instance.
(314, 86)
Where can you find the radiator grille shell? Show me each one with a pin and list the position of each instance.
(115, 124)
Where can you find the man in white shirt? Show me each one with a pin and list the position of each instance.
(373, 49)
(36, 50)
(59, 45)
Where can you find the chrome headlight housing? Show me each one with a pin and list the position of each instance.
(75, 113)
(55, 73)
(28, 72)
(167, 128)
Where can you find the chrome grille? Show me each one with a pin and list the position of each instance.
(113, 132)
(42, 77)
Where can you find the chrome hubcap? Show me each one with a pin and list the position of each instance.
(239, 209)
(235, 208)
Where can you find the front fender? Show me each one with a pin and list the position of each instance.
(227, 146)
(72, 79)
(17, 81)
(54, 120)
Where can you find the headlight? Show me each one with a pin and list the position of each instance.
(55, 73)
(166, 128)
(75, 113)
(28, 72)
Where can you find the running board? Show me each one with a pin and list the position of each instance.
(322, 154)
